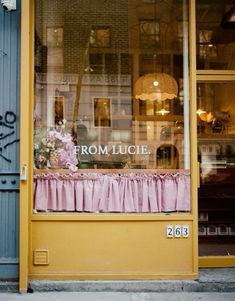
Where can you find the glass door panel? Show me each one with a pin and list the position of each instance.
(216, 154)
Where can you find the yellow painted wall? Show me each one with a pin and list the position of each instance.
(101, 247)
(111, 250)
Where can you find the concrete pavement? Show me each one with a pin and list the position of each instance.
(212, 285)
(113, 296)
(210, 280)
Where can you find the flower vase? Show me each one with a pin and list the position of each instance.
(54, 160)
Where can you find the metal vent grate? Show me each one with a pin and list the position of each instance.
(41, 257)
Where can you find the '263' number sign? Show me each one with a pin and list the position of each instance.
(177, 231)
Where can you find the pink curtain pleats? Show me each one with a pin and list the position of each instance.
(127, 193)
(169, 193)
(41, 194)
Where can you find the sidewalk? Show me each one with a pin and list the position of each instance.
(210, 280)
(115, 296)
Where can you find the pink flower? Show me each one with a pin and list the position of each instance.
(59, 146)
(69, 146)
(67, 138)
(63, 156)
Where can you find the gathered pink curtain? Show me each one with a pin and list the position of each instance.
(96, 192)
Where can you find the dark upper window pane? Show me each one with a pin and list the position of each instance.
(215, 40)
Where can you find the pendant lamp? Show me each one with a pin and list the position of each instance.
(155, 86)
(228, 20)
(163, 112)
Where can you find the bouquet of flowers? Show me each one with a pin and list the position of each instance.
(56, 149)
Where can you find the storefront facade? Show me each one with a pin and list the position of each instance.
(109, 125)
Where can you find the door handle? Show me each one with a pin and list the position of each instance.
(23, 172)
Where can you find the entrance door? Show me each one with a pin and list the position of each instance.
(216, 149)
(215, 75)
(9, 142)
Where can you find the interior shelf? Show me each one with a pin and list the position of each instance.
(219, 222)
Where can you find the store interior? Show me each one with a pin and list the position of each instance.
(216, 128)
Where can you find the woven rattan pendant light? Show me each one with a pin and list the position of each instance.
(156, 86)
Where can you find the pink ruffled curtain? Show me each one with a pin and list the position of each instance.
(95, 192)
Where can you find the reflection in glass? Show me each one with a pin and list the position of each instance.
(149, 34)
(100, 37)
(102, 112)
(216, 154)
(90, 55)
(167, 156)
(215, 35)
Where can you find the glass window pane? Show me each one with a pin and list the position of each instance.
(215, 34)
(216, 151)
(111, 85)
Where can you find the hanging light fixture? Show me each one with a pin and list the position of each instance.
(200, 111)
(204, 116)
(156, 86)
(163, 112)
(228, 20)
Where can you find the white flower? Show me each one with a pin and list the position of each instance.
(58, 135)
(49, 144)
(52, 132)
(36, 146)
(44, 141)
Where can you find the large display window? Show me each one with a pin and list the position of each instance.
(111, 106)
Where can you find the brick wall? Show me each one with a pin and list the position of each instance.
(77, 17)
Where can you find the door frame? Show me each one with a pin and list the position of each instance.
(215, 76)
(195, 77)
